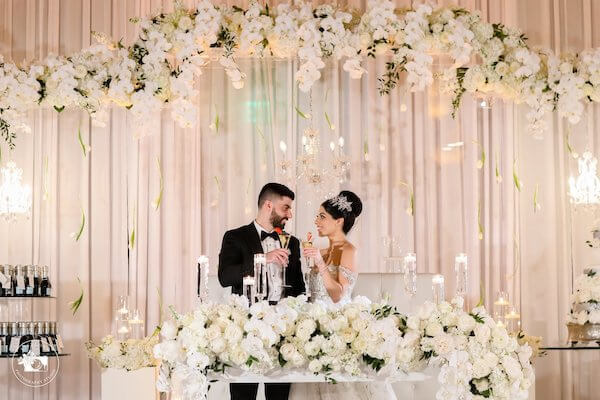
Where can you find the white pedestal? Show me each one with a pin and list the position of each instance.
(121, 384)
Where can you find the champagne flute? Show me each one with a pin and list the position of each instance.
(284, 239)
(309, 263)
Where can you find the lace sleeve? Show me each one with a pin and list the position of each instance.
(350, 277)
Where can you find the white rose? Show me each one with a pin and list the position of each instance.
(312, 348)
(305, 328)
(297, 359)
(80, 71)
(233, 333)
(405, 355)
(466, 323)
(218, 345)
(359, 344)
(238, 355)
(482, 385)
(480, 368)
(445, 307)
(443, 344)
(339, 323)
(325, 322)
(413, 322)
(315, 366)
(434, 329)
(213, 332)
(287, 351)
(482, 333)
(351, 312)
(197, 360)
(185, 23)
(167, 28)
(348, 334)
(566, 68)
(359, 324)
(168, 330)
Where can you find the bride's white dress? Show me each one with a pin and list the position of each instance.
(341, 390)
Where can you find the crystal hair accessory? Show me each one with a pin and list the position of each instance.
(342, 203)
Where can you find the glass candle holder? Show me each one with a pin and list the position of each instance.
(249, 287)
(437, 286)
(410, 273)
(203, 269)
(123, 307)
(462, 274)
(501, 306)
(513, 321)
(136, 325)
(260, 275)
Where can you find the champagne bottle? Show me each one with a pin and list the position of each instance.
(4, 338)
(26, 337)
(45, 286)
(20, 281)
(30, 281)
(13, 342)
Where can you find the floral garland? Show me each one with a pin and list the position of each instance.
(171, 49)
(478, 358)
(586, 299)
(130, 355)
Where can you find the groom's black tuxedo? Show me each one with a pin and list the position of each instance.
(236, 260)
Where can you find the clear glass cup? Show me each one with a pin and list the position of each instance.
(410, 273)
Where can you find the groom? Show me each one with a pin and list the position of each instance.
(236, 260)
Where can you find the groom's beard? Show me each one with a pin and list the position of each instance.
(277, 220)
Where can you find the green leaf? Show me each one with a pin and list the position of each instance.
(251, 360)
(567, 143)
(498, 176)
(158, 200)
(479, 223)
(218, 182)
(300, 113)
(477, 318)
(77, 236)
(132, 238)
(8, 136)
(482, 157)
(329, 122)
(516, 179)
(75, 304)
(84, 147)
(536, 205)
(59, 109)
(481, 294)
(411, 208)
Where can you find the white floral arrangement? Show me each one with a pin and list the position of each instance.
(586, 299)
(160, 66)
(360, 339)
(131, 354)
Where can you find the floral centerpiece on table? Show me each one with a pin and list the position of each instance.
(361, 339)
(131, 354)
(586, 299)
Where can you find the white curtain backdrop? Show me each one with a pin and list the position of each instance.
(212, 177)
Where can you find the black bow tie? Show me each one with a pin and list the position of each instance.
(264, 235)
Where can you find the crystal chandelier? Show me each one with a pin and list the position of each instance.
(585, 190)
(15, 198)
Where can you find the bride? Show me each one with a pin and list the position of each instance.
(331, 282)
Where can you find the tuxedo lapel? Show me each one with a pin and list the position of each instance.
(252, 239)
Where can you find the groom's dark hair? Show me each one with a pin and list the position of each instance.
(271, 190)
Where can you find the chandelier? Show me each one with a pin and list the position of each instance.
(585, 190)
(15, 198)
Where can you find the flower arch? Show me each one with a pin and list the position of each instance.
(160, 66)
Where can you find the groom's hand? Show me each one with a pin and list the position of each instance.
(278, 256)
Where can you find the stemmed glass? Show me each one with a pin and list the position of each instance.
(284, 239)
(310, 262)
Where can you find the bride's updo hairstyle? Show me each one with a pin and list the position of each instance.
(345, 205)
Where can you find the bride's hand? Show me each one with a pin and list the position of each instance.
(315, 254)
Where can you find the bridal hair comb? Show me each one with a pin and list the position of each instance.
(342, 203)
